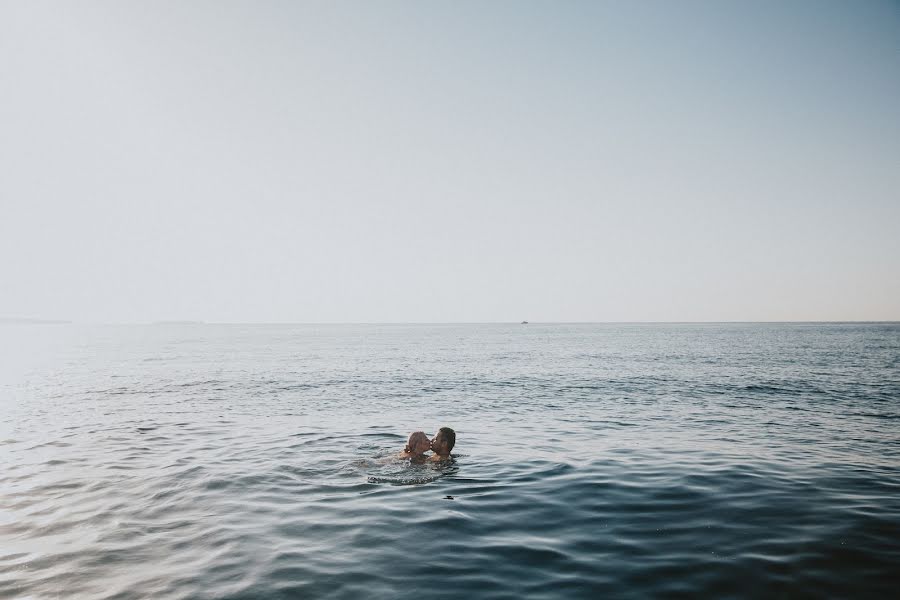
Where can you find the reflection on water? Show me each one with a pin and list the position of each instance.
(629, 460)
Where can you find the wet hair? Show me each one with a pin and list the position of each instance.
(448, 435)
(416, 439)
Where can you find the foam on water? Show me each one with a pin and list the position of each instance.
(627, 460)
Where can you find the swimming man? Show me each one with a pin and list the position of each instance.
(442, 444)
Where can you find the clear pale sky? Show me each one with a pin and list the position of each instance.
(450, 161)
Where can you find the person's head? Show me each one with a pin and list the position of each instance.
(443, 441)
(418, 443)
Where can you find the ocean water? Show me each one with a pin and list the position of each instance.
(627, 461)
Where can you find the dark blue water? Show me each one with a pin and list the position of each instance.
(203, 461)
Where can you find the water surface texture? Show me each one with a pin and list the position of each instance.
(229, 461)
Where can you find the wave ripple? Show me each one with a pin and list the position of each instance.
(594, 460)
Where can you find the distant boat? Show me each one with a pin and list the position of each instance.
(524, 322)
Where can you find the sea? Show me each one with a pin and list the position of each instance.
(183, 461)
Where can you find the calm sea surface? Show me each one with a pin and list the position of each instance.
(229, 461)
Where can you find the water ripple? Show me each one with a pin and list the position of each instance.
(623, 461)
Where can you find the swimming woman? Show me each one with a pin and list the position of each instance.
(416, 446)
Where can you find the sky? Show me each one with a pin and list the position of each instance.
(449, 161)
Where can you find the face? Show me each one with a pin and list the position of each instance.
(423, 445)
(438, 445)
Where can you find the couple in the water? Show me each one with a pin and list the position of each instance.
(441, 445)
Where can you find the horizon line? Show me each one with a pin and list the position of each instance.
(163, 322)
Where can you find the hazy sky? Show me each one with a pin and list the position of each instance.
(449, 161)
